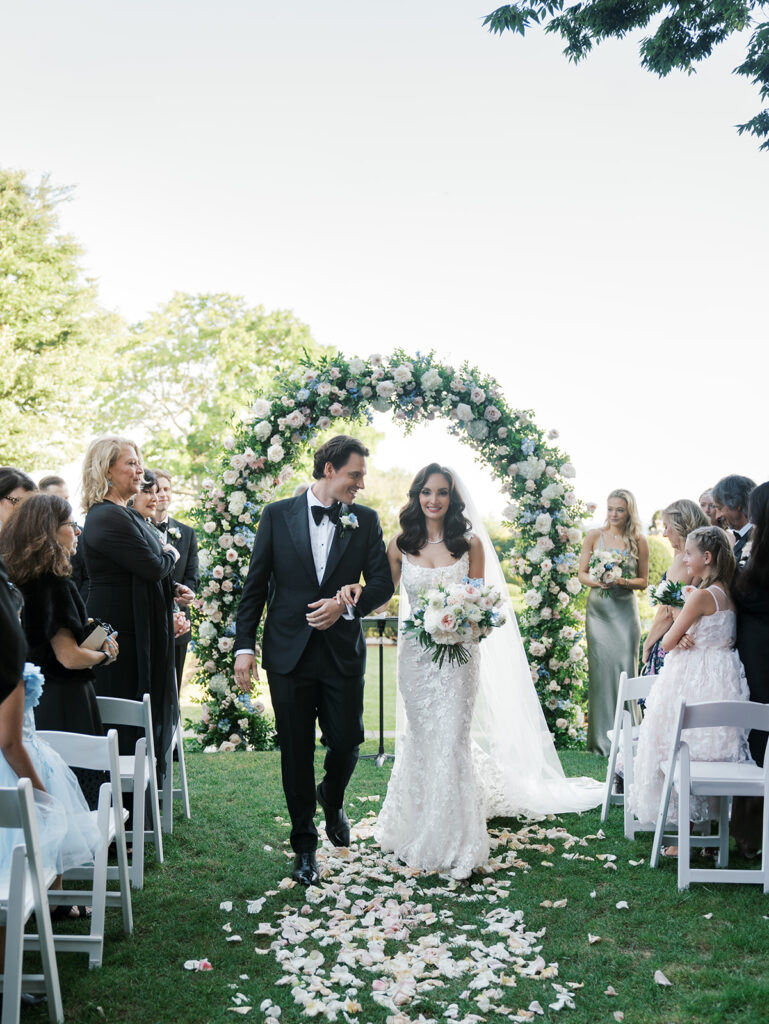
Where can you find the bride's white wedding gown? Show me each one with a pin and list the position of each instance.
(433, 817)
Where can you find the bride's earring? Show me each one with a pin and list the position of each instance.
(109, 482)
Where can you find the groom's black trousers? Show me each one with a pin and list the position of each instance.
(315, 689)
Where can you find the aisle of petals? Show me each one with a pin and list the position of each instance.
(370, 932)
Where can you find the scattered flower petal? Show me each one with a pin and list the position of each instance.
(660, 979)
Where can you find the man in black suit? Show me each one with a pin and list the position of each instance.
(186, 570)
(730, 499)
(313, 648)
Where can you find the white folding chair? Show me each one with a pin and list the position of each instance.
(169, 793)
(624, 737)
(138, 774)
(101, 754)
(721, 779)
(23, 892)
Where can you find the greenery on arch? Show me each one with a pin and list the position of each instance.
(261, 455)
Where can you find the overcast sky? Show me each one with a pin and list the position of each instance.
(592, 235)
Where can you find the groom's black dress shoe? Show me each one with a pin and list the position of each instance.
(305, 868)
(337, 825)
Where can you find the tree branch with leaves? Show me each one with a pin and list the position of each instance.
(685, 34)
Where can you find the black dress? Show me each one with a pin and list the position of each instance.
(68, 701)
(753, 648)
(131, 588)
(13, 645)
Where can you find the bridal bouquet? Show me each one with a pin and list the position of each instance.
(448, 617)
(606, 567)
(670, 593)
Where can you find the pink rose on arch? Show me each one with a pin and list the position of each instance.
(502, 433)
(492, 414)
(218, 572)
(323, 423)
(334, 373)
(232, 555)
(336, 409)
(324, 389)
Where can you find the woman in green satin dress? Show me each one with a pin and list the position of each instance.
(613, 626)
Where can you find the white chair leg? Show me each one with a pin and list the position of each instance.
(684, 817)
(14, 939)
(723, 833)
(662, 818)
(157, 832)
(123, 878)
(167, 809)
(185, 793)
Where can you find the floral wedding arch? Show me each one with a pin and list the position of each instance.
(261, 456)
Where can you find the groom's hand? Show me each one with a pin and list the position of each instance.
(245, 667)
(324, 613)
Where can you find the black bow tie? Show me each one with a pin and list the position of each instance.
(318, 511)
(162, 526)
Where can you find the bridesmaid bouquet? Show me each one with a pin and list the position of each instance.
(670, 593)
(448, 617)
(606, 567)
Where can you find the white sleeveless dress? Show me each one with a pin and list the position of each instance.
(433, 815)
(711, 670)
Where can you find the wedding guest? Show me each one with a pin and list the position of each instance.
(53, 484)
(130, 571)
(730, 497)
(751, 595)
(186, 570)
(13, 643)
(700, 665)
(707, 505)
(613, 624)
(15, 487)
(678, 521)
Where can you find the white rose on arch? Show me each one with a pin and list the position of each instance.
(431, 380)
(275, 453)
(573, 586)
(543, 523)
(533, 598)
(263, 430)
(385, 389)
(464, 412)
(261, 408)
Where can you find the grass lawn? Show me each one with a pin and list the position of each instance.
(234, 849)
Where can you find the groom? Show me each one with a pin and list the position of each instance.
(306, 548)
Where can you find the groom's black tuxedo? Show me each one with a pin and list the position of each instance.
(313, 674)
(282, 553)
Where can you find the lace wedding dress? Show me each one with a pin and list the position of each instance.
(433, 817)
(711, 670)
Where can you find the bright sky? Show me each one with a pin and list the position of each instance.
(593, 236)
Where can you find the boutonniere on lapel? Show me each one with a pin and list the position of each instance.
(174, 531)
(349, 521)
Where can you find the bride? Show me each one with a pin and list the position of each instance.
(471, 740)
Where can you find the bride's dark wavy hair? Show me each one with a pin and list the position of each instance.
(413, 536)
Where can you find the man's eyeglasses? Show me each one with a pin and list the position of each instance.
(13, 501)
(73, 524)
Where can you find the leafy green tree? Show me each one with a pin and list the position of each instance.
(53, 336)
(185, 373)
(681, 34)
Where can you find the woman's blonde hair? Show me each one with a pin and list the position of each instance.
(101, 456)
(633, 530)
(683, 516)
(714, 540)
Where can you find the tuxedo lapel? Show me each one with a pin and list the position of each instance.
(339, 546)
(297, 520)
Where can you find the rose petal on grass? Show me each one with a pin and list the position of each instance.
(242, 1010)
(592, 939)
(637, 863)
(707, 916)
(610, 991)
(660, 978)
(622, 905)
(226, 906)
(233, 938)
(618, 1015)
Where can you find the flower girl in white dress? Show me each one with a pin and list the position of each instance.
(701, 664)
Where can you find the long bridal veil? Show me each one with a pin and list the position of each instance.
(513, 748)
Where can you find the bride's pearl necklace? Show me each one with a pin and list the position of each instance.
(438, 541)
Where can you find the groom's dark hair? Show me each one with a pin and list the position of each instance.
(337, 450)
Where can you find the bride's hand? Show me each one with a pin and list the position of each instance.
(349, 594)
